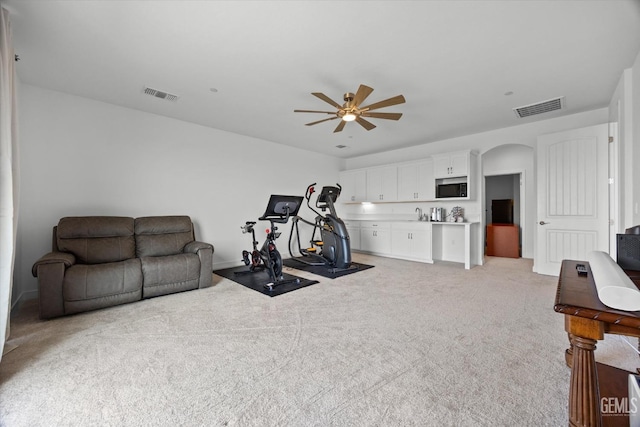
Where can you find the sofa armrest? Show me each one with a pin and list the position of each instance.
(195, 247)
(205, 253)
(50, 271)
(54, 258)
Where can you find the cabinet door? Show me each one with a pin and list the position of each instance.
(408, 182)
(426, 187)
(459, 164)
(374, 185)
(401, 243)
(389, 184)
(360, 178)
(381, 242)
(441, 165)
(353, 186)
(375, 240)
(382, 184)
(420, 242)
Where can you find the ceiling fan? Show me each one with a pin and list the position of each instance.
(351, 109)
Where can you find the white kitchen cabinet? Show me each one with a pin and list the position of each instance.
(353, 228)
(354, 186)
(411, 240)
(382, 184)
(375, 237)
(450, 165)
(415, 181)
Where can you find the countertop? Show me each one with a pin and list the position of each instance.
(407, 220)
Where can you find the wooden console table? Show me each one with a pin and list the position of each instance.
(586, 321)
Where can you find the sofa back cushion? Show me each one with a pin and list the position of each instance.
(162, 235)
(97, 239)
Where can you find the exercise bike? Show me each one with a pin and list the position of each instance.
(329, 245)
(279, 209)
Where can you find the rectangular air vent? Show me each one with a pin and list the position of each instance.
(160, 94)
(540, 107)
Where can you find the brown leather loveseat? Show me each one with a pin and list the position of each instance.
(101, 261)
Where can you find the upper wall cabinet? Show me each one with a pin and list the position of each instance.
(354, 186)
(382, 184)
(451, 165)
(415, 181)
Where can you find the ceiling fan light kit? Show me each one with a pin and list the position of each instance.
(351, 111)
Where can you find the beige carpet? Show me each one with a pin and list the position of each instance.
(401, 344)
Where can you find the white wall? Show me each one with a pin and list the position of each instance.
(82, 157)
(620, 113)
(624, 110)
(635, 117)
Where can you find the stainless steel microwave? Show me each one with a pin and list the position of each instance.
(451, 190)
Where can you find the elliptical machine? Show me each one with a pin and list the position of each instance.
(332, 247)
(279, 209)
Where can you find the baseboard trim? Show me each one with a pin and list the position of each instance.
(24, 296)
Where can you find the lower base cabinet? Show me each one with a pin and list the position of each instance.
(405, 240)
(375, 237)
(411, 241)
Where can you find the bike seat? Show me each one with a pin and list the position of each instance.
(251, 223)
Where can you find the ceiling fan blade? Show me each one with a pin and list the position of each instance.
(389, 116)
(326, 99)
(320, 121)
(313, 111)
(386, 103)
(361, 94)
(340, 126)
(365, 124)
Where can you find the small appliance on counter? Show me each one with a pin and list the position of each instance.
(457, 214)
(437, 214)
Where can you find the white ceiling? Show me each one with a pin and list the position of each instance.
(452, 60)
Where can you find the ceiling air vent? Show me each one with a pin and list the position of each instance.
(540, 107)
(160, 94)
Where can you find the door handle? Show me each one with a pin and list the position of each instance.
(543, 223)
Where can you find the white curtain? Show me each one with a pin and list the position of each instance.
(8, 172)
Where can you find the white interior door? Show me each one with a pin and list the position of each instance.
(573, 201)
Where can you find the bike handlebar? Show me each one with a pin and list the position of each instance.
(310, 191)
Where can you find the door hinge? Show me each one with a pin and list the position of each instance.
(610, 139)
(610, 180)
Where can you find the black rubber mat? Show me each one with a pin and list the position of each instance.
(258, 279)
(324, 271)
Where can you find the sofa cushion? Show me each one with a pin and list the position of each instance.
(85, 282)
(97, 239)
(175, 273)
(162, 235)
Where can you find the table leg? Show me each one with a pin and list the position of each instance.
(584, 407)
(568, 353)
